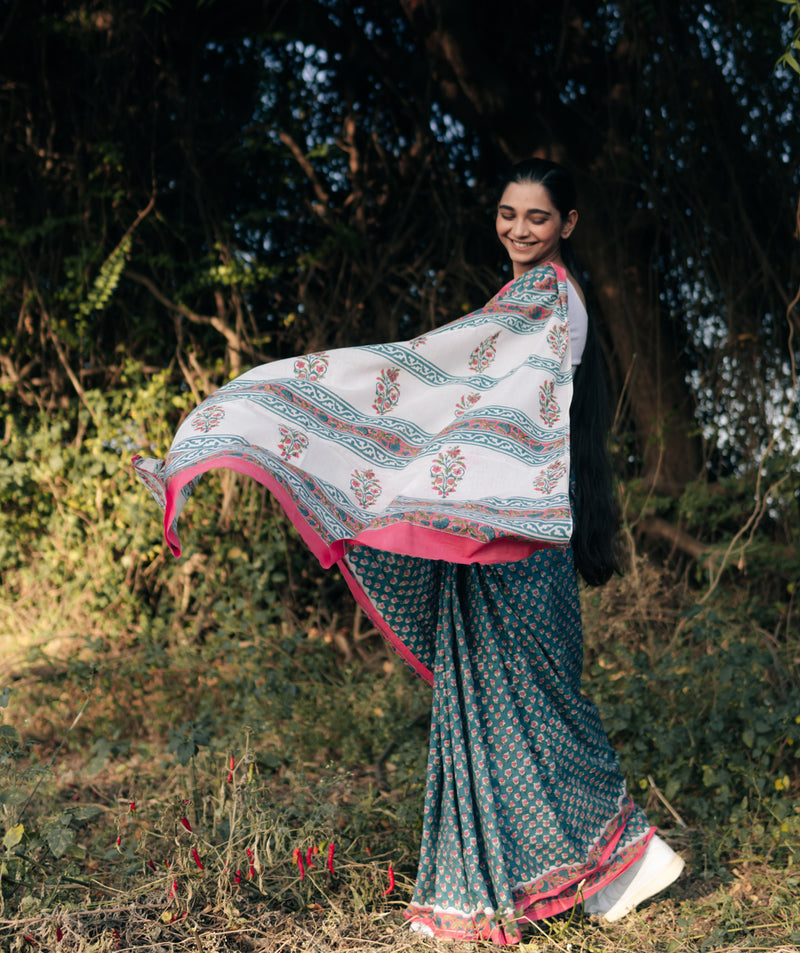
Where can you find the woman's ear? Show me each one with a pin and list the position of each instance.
(569, 224)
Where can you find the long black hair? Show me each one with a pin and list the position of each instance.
(592, 476)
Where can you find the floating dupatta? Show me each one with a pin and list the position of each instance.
(454, 445)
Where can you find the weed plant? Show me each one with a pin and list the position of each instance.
(178, 737)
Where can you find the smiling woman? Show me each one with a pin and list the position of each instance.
(530, 227)
(460, 482)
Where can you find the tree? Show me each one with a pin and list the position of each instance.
(678, 167)
(210, 185)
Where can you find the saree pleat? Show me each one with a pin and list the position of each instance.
(525, 805)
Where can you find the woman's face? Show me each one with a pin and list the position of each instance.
(529, 226)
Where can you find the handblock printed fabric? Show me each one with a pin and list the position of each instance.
(454, 445)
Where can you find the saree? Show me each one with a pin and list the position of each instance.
(435, 474)
(453, 446)
(526, 810)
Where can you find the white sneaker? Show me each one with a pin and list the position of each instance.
(655, 870)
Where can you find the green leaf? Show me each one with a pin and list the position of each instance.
(58, 836)
(185, 751)
(12, 797)
(85, 813)
(100, 752)
(13, 836)
(672, 788)
(10, 733)
(709, 776)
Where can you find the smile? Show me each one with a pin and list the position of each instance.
(522, 245)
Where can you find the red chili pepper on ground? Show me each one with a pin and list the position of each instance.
(331, 849)
(197, 860)
(391, 881)
(232, 764)
(173, 890)
(186, 824)
(311, 851)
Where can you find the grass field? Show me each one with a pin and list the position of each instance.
(160, 777)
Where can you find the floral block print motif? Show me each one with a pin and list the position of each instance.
(467, 401)
(549, 410)
(557, 339)
(207, 418)
(418, 342)
(392, 407)
(365, 486)
(387, 390)
(550, 476)
(484, 354)
(292, 443)
(447, 471)
(311, 367)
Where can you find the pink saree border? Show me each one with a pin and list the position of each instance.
(532, 904)
(403, 538)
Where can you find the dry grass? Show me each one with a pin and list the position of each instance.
(103, 895)
(107, 900)
(743, 917)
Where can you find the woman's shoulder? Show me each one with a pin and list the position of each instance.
(573, 285)
(539, 278)
(539, 285)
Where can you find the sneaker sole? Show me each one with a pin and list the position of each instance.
(637, 894)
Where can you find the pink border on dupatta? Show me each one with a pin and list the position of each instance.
(388, 633)
(403, 538)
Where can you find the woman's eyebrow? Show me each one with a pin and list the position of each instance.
(531, 211)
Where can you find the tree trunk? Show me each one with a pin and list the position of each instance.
(493, 80)
(654, 399)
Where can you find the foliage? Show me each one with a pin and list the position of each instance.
(789, 57)
(138, 678)
(205, 186)
(209, 186)
(734, 747)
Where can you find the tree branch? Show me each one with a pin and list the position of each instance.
(680, 539)
(234, 340)
(305, 165)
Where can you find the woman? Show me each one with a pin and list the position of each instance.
(441, 476)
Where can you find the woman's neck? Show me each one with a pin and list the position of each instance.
(520, 269)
